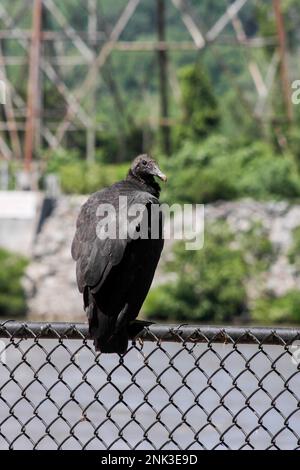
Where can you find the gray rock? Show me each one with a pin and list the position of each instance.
(50, 281)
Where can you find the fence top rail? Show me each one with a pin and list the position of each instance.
(156, 333)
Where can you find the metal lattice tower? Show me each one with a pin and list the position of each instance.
(51, 50)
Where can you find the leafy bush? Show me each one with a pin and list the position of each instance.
(78, 176)
(210, 284)
(12, 298)
(201, 114)
(258, 249)
(212, 171)
(294, 252)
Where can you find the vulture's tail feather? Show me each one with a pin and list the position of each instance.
(109, 333)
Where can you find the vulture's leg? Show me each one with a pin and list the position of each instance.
(136, 326)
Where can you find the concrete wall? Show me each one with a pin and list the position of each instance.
(19, 216)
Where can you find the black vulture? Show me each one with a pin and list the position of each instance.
(114, 273)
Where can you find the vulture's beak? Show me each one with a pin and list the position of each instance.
(157, 172)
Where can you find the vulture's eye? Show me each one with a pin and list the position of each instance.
(144, 162)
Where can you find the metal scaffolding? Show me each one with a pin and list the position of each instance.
(26, 129)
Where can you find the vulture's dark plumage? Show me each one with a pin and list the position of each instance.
(114, 275)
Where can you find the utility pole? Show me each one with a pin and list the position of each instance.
(163, 77)
(285, 84)
(33, 91)
(92, 34)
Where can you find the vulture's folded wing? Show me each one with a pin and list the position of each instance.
(95, 249)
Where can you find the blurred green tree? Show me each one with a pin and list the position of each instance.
(209, 283)
(12, 297)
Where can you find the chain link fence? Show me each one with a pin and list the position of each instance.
(177, 387)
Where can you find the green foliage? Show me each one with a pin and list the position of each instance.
(294, 252)
(83, 178)
(201, 115)
(209, 283)
(216, 169)
(107, 147)
(53, 161)
(12, 298)
(285, 309)
(266, 21)
(258, 249)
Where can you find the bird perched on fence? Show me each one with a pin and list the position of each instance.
(117, 246)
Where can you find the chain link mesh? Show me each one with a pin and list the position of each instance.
(177, 387)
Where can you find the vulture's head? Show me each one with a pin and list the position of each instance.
(144, 168)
